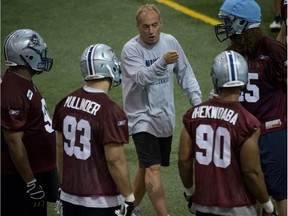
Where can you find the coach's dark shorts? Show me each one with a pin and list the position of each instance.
(152, 150)
(273, 155)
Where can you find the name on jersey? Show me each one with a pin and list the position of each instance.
(213, 112)
(82, 104)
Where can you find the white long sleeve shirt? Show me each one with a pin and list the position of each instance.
(148, 86)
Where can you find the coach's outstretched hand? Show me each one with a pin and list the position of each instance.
(36, 194)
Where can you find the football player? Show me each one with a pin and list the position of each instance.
(91, 130)
(220, 141)
(29, 176)
(266, 95)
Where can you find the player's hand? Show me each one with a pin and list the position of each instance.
(274, 213)
(171, 57)
(126, 209)
(58, 204)
(36, 194)
(190, 203)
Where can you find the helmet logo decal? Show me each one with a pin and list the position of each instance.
(34, 40)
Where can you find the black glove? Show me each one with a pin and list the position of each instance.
(36, 194)
(126, 209)
(189, 200)
(275, 213)
(58, 204)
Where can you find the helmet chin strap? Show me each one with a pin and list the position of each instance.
(37, 72)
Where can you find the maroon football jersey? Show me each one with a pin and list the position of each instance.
(88, 121)
(24, 109)
(266, 94)
(218, 129)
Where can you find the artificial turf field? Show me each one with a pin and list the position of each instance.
(69, 26)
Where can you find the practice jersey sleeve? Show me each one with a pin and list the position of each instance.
(115, 126)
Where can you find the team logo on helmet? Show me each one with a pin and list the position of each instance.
(34, 40)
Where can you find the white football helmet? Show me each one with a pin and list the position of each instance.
(27, 48)
(99, 61)
(236, 17)
(229, 69)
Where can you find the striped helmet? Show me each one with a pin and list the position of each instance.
(99, 61)
(229, 69)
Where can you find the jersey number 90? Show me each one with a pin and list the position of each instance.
(216, 146)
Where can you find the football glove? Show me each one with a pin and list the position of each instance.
(125, 209)
(190, 203)
(58, 204)
(274, 213)
(36, 194)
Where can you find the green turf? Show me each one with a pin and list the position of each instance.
(68, 27)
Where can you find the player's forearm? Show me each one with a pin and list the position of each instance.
(21, 162)
(256, 185)
(120, 174)
(59, 145)
(18, 154)
(186, 173)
